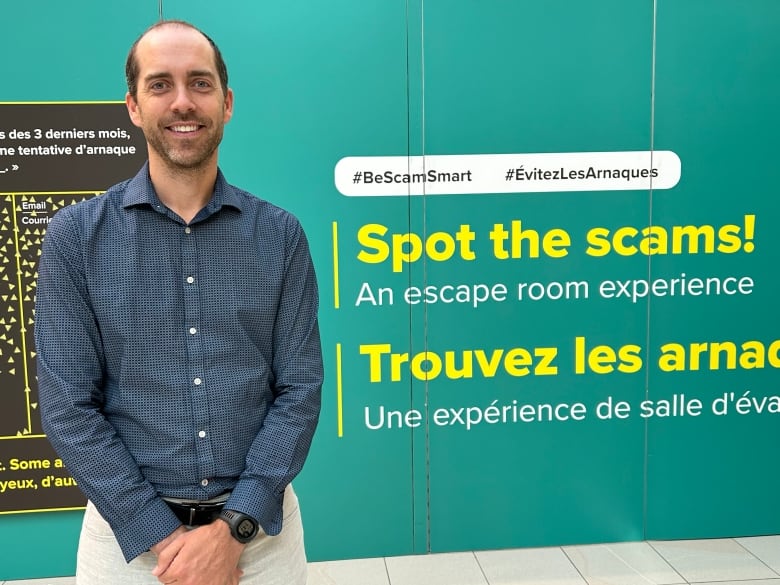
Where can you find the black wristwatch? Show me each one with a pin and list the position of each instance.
(243, 528)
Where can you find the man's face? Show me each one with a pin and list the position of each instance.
(179, 104)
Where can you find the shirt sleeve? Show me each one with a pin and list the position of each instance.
(279, 450)
(70, 362)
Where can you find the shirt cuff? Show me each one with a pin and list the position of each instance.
(146, 528)
(252, 497)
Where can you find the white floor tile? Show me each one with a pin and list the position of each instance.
(751, 582)
(353, 572)
(766, 548)
(548, 566)
(438, 569)
(628, 563)
(702, 561)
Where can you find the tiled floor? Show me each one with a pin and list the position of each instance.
(738, 561)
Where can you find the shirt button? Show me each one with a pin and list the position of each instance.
(190, 279)
(197, 381)
(202, 434)
(188, 230)
(193, 331)
(204, 482)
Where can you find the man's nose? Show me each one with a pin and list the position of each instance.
(182, 101)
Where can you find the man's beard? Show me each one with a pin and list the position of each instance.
(187, 154)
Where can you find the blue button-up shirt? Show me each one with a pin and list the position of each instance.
(177, 359)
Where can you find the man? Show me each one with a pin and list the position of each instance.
(179, 359)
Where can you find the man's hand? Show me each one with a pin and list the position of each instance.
(157, 548)
(207, 555)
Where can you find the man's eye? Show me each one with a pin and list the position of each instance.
(157, 86)
(202, 84)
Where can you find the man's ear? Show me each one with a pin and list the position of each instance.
(132, 109)
(228, 106)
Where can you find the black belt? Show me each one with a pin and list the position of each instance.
(195, 513)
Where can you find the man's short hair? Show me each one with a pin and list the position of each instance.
(131, 66)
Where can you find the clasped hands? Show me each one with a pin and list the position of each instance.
(205, 555)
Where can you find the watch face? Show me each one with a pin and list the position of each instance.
(245, 528)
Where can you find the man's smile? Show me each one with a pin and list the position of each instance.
(182, 128)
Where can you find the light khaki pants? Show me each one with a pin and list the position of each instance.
(267, 560)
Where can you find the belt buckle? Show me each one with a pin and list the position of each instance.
(193, 511)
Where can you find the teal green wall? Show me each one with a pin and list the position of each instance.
(717, 96)
(316, 82)
(560, 76)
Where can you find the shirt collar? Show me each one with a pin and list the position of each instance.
(140, 191)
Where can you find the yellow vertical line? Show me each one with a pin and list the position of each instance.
(336, 265)
(339, 395)
(22, 321)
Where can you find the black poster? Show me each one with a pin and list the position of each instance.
(51, 155)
